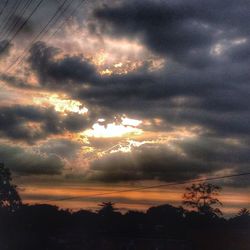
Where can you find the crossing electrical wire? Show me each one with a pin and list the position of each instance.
(21, 57)
(17, 27)
(14, 25)
(26, 21)
(53, 20)
(10, 17)
(4, 7)
(3, 24)
(66, 20)
(155, 186)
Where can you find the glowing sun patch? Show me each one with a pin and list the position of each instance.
(127, 127)
(62, 105)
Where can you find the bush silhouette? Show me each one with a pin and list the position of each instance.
(9, 197)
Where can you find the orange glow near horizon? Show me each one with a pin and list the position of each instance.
(85, 197)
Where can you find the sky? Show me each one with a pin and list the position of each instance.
(105, 95)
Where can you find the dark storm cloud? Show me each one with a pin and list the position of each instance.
(69, 69)
(187, 34)
(64, 148)
(15, 122)
(147, 163)
(189, 160)
(229, 154)
(216, 97)
(182, 30)
(226, 152)
(24, 162)
(16, 82)
(164, 28)
(240, 53)
(4, 48)
(205, 83)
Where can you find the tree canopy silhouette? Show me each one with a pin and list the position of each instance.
(9, 197)
(244, 212)
(202, 198)
(107, 208)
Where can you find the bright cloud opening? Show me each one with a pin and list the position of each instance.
(62, 105)
(127, 127)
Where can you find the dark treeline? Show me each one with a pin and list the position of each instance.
(45, 227)
(165, 227)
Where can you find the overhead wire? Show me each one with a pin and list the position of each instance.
(53, 20)
(17, 62)
(4, 7)
(25, 22)
(57, 15)
(67, 19)
(154, 186)
(10, 17)
(17, 22)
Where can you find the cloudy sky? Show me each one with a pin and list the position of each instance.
(104, 95)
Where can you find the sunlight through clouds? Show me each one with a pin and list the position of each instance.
(62, 105)
(112, 130)
(126, 127)
(155, 80)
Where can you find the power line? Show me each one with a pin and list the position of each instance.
(54, 17)
(34, 10)
(53, 20)
(58, 2)
(26, 21)
(11, 15)
(155, 186)
(4, 7)
(66, 20)
(17, 62)
(22, 12)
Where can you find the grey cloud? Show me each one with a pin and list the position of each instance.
(146, 163)
(69, 69)
(5, 46)
(189, 160)
(14, 123)
(62, 147)
(197, 87)
(183, 30)
(14, 81)
(228, 151)
(24, 162)
(171, 29)
(240, 52)
(217, 96)
(227, 154)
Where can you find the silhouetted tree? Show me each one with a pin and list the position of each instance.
(109, 218)
(44, 226)
(9, 197)
(242, 219)
(244, 212)
(202, 197)
(107, 208)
